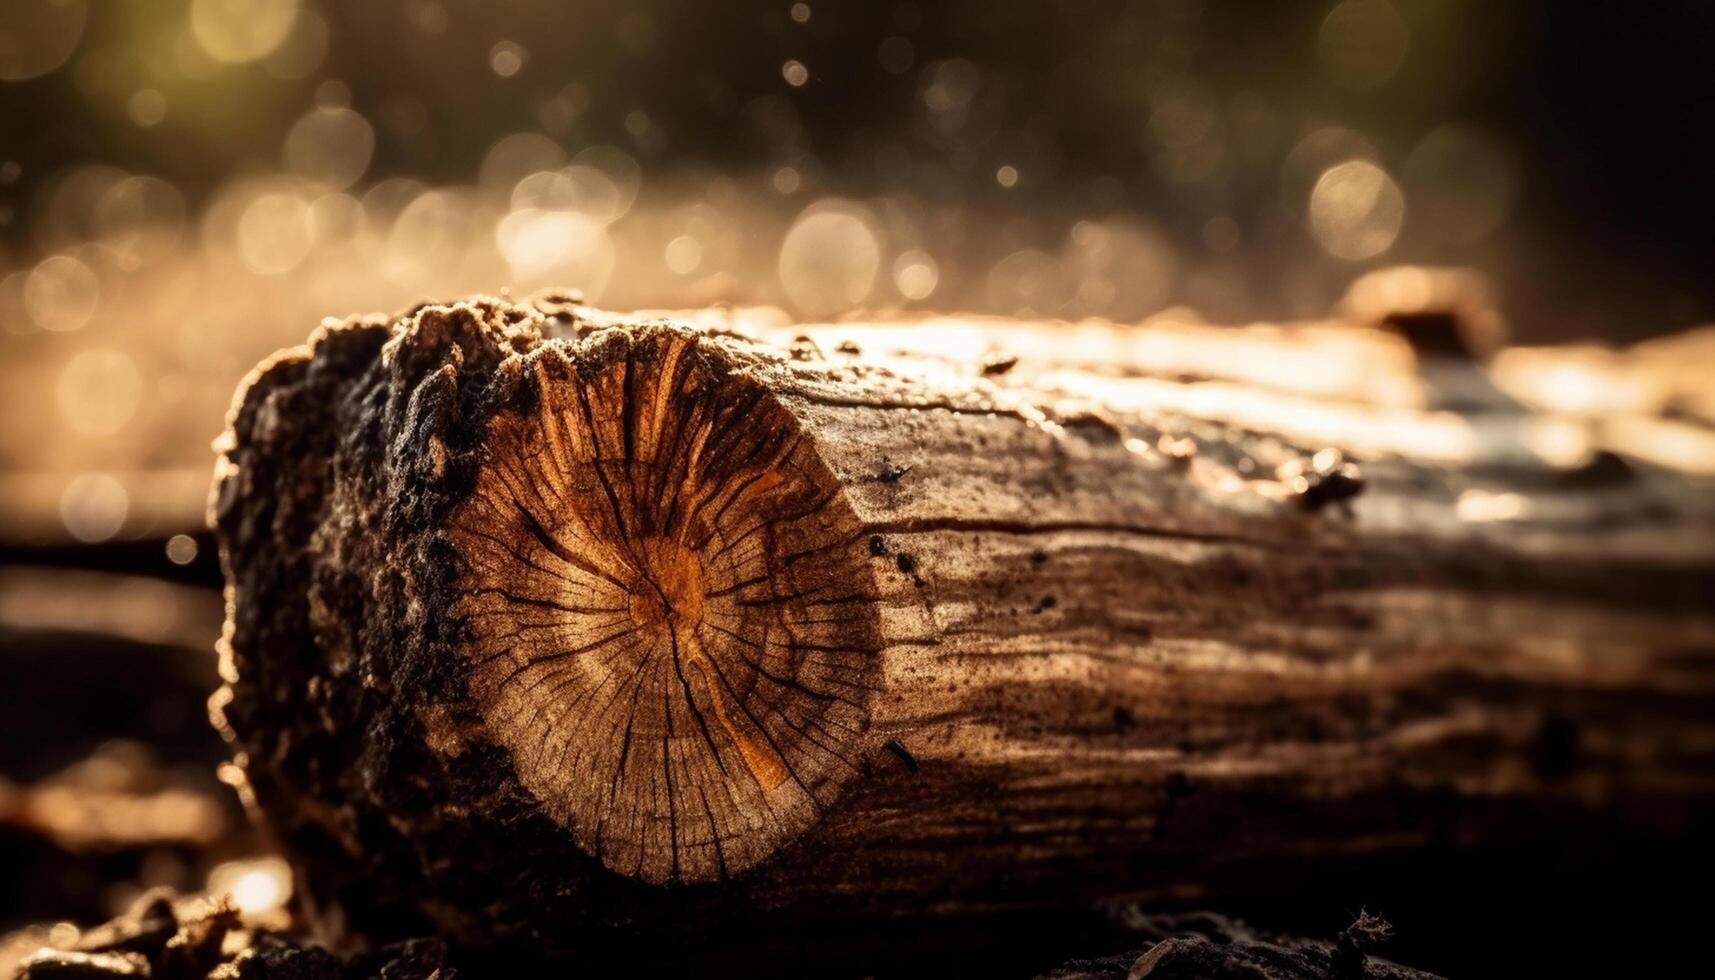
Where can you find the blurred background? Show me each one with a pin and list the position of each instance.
(188, 185)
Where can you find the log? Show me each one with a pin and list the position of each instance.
(543, 621)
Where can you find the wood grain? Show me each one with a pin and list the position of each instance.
(672, 617)
(544, 620)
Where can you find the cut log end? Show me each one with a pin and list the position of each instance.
(670, 618)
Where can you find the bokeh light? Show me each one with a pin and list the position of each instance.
(915, 274)
(515, 156)
(93, 507)
(830, 257)
(255, 886)
(303, 49)
(99, 390)
(1311, 156)
(147, 107)
(274, 232)
(578, 188)
(1363, 43)
(39, 35)
(181, 549)
(684, 254)
(229, 172)
(332, 146)
(141, 218)
(621, 168)
(429, 239)
(1356, 210)
(543, 246)
(1119, 269)
(61, 293)
(506, 58)
(241, 30)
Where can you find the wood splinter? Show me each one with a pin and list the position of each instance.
(543, 621)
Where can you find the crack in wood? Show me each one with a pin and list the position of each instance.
(607, 548)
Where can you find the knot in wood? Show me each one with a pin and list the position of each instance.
(671, 619)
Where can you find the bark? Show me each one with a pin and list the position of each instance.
(543, 621)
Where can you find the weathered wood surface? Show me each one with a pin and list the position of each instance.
(543, 620)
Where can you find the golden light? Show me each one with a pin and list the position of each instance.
(1122, 268)
(555, 245)
(181, 549)
(303, 50)
(256, 887)
(147, 107)
(915, 274)
(1559, 442)
(1028, 282)
(1311, 157)
(830, 257)
(39, 36)
(141, 218)
(506, 58)
(330, 145)
(515, 156)
(274, 233)
(93, 507)
(99, 391)
(1482, 506)
(1356, 210)
(336, 219)
(621, 170)
(684, 254)
(579, 189)
(13, 318)
(241, 30)
(61, 293)
(430, 236)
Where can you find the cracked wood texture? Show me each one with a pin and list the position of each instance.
(673, 629)
(565, 629)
